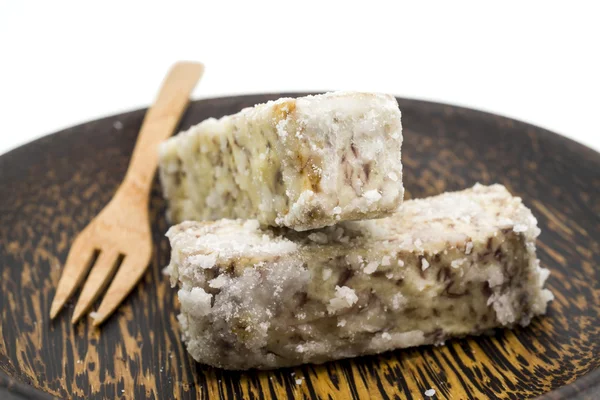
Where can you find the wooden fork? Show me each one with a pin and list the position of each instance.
(121, 231)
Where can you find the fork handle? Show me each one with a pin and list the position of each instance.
(159, 123)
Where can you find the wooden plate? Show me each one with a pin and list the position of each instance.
(52, 187)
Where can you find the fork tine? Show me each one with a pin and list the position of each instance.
(131, 270)
(77, 265)
(97, 280)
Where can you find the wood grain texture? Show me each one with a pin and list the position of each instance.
(54, 186)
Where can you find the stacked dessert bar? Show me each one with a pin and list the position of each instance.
(292, 244)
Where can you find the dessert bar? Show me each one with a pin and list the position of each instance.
(301, 163)
(456, 264)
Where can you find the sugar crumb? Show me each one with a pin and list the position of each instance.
(371, 267)
(218, 282)
(372, 196)
(204, 261)
(520, 228)
(430, 392)
(469, 248)
(318, 237)
(457, 263)
(94, 315)
(505, 222)
(398, 301)
(419, 244)
(251, 225)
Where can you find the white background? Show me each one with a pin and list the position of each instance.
(65, 63)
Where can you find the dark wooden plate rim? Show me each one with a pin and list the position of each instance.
(586, 387)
